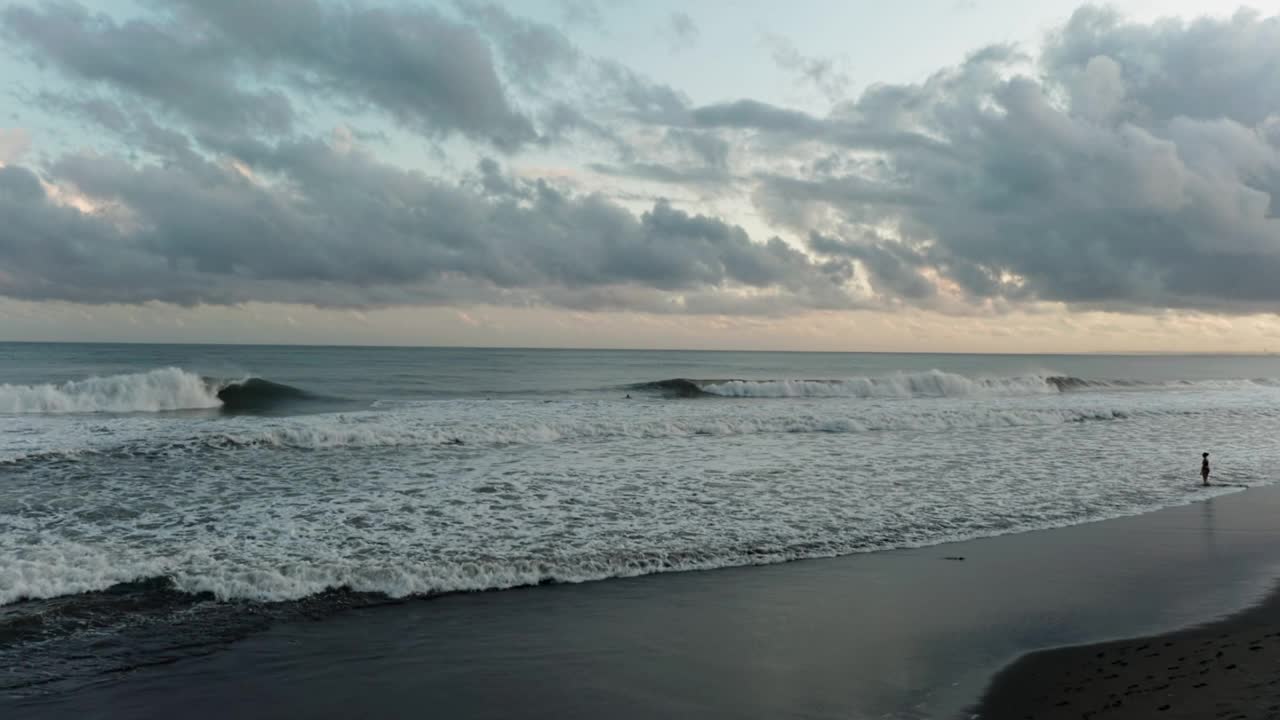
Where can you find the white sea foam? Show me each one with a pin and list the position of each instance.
(938, 384)
(163, 389)
(905, 385)
(267, 573)
(258, 507)
(325, 432)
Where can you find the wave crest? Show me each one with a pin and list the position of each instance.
(933, 383)
(164, 389)
(154, 391)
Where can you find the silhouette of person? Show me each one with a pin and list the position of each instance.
(1204, 468)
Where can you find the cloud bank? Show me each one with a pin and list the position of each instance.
(1123, 166)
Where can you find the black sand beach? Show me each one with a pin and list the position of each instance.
(905, 634)
(1227, 669)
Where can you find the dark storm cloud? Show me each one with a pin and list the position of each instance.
(345, 229)
(1139, 169)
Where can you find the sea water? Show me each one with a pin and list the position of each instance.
(156, 500)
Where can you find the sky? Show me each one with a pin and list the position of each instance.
(924, 175)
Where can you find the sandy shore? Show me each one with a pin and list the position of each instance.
(1229, 669)
(905, 635)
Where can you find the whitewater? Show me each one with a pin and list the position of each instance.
(152, 391)
(255, 476)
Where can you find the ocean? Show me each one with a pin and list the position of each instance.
(159, 502)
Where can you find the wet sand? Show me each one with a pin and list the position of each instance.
(904, 634)
(1229, 669)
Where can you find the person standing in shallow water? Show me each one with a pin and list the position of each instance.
(1204, 468)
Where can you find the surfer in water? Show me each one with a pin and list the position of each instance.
(1204, 468)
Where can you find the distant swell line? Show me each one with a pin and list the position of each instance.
(931, 384)
(902, 385)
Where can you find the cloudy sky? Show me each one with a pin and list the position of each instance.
(954, 175)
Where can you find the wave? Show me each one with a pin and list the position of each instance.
(70, 568)
(334, 432)
(258, 394)
(328, 434)
(934, 383)
(164, 389)
(931, 384)
(154, 391)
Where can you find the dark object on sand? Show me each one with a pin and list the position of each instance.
(952, 557)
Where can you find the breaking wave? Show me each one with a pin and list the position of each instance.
(160, 390)
(258, 394)
(154, 391)
(71, 568)
(932, 384)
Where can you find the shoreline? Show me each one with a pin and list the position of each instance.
(900, 634)
(1228, 668)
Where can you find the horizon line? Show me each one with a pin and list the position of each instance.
(1111, 353)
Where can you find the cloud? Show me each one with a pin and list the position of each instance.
(682, 30)
(894, 268)
(534, 54)
(186, 71)
(1127, 166)
(229, 67)
(128, 119)
(341, 228)
(688, 157)
(651, 102)
(1201, 70)
(581, 12)
(798, 126)
(14, 143)
(825, 74)
(656, 172)
(1136, 170)
(217, 71)
(711, 149)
